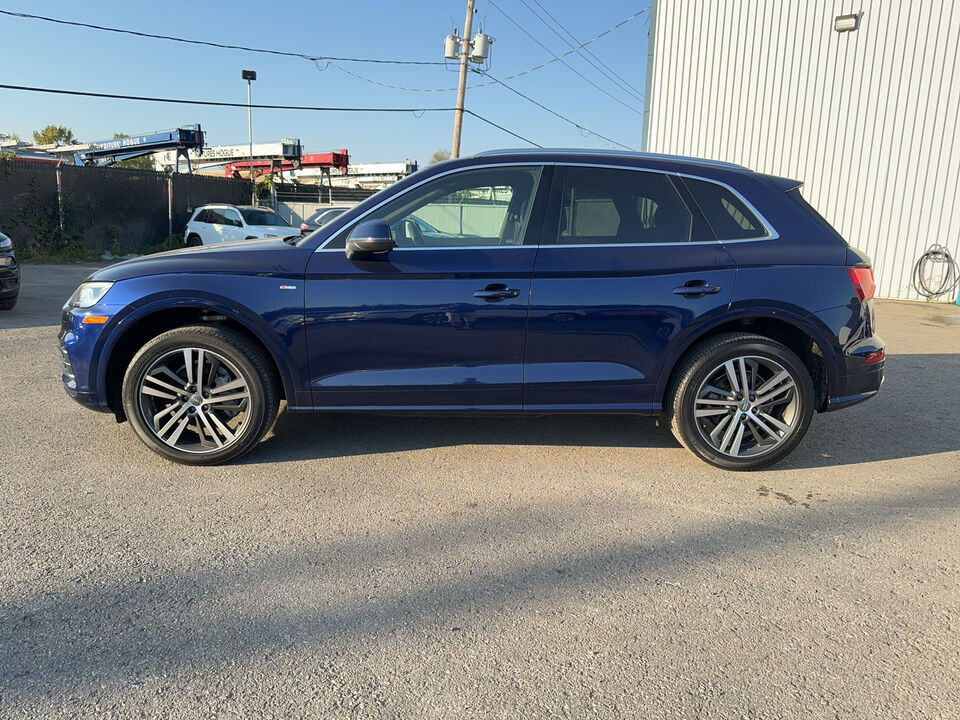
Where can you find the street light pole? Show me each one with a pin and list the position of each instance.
(462, 87)
(249, 76)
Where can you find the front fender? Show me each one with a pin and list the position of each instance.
(272, 315)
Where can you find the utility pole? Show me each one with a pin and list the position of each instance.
(250, 75)
(462, 87)
(475, 50)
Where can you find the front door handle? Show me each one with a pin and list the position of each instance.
(695, 288)
(496, 292)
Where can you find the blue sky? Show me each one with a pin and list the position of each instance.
(81, 59)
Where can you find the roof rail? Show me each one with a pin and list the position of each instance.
(613, 153)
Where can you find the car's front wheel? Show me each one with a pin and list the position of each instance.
(741, 402)
(200, 395)
(194, 241)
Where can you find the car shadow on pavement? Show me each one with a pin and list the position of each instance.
(107, 635)
(914, 414)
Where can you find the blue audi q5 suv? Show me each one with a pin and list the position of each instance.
(512, 282)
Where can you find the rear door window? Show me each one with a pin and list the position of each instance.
(729, 217)
(608, 205)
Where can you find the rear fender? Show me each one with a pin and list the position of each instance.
(791, 315)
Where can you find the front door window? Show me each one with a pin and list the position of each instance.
(487, 207)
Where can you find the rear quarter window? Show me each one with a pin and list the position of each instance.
(729, 217)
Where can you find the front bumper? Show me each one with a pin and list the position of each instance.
(78, 346)
(9, 280)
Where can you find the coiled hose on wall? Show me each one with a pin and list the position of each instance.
(935, 255)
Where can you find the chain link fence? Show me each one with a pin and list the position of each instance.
(67, 211)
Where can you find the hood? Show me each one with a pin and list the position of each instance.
(270, 256)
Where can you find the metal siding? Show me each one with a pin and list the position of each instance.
(867, 119)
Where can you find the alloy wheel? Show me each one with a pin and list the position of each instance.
(747, 406)
(194, 400)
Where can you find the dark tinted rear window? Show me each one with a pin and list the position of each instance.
(608, 205)
(262, 217)
(726, 213)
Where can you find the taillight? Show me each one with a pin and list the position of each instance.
(862, 278)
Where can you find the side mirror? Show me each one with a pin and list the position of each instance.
(369, 238)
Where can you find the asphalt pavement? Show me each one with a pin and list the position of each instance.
(581, 567)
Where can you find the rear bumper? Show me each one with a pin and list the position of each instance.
(872, 380)
(858, 386)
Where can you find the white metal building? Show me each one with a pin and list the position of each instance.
(868, 118)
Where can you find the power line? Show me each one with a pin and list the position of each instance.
(330, 59)
(556, 58)
(606, 70)
(215, 103)
(578, 47)
(577, 125)
(417, 112)
(207, 43)
(500, 127)
(565, 63)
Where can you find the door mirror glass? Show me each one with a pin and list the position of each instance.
(369, 238)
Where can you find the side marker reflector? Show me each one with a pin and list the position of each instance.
(874, 357)
(95, 319)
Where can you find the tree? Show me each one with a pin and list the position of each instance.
(51, 134)
(139, 163)
(439, 156)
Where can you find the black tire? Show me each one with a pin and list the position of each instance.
(194, 241)
(793, 408)
(9, 303)
(232, 356)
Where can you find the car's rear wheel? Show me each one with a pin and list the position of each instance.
(741, 402)
(200, 395)
(194, 241)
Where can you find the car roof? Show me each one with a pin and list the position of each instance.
(561, 154)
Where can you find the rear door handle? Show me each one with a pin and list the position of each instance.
(694, 288)
(496, 292)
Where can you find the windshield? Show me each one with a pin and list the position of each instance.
(324, 216)
(263, 217)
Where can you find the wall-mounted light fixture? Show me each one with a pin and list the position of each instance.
(847, 23)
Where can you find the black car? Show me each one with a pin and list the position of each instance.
(9, 274)
(322, 217)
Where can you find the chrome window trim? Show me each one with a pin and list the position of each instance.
(771, 232)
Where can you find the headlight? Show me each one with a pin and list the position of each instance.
(89, 294)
